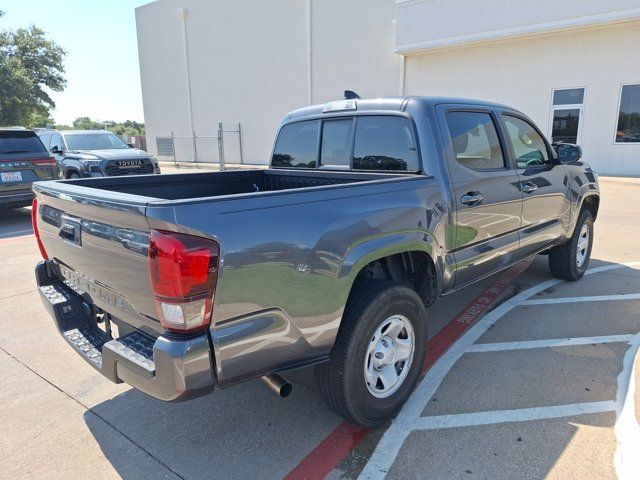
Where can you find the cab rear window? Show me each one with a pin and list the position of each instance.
(366, 142)
(297, 145)
(17, 141)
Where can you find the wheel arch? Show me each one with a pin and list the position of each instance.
(69, 170)
(405, 258)
(591, 202)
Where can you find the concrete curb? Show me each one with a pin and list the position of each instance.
(207, 166)
(627, 428)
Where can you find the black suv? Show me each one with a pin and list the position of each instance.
(23, 160)
(96, 153)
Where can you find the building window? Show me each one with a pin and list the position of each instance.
(566, 113)
(628, 130)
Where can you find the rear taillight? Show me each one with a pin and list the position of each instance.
(34, 224)
(44, 161)
(183, 270)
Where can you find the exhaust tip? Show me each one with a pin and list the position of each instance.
(279, 385)
(286, 390)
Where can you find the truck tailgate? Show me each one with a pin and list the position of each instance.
(99, 243)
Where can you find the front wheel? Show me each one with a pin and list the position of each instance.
(569, 261)
(378, 355)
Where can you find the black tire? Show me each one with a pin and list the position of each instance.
(563, 260)
(73, 175)
(341, 380)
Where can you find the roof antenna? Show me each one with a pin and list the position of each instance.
(351, 95)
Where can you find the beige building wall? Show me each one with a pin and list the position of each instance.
(252, 61)
(522, 73)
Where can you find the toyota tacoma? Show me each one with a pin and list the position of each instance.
(370, 210)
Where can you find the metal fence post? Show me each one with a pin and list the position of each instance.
(173, 148)
(221, 146)
(240, 142)
(195, 149)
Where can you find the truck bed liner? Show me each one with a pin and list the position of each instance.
(214, 184)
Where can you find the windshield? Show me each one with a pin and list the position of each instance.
(16, 141)
(94, 141)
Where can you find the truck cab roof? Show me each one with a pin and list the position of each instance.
(397, 104)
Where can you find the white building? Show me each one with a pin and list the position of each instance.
(572, 66)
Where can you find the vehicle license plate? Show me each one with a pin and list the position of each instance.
(11, 176)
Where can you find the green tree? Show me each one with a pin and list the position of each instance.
(85, 123)
(127, 128)
(40, 119)
(30, 66)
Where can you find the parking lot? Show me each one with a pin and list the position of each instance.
(526, 377)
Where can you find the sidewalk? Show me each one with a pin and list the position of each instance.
(182, 167)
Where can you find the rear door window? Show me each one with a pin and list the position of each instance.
(18, 141)
(384, 143)
(475, 140)
(297, 145)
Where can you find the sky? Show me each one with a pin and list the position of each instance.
(103, 76)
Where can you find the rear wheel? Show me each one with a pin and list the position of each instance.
(378, 355)
(570, 260)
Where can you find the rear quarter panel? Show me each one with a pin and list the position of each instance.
(288, 260)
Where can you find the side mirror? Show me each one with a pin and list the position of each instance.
(55, 149)
(567, 152)
(131, 145)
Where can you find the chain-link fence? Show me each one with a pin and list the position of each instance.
(225, 146)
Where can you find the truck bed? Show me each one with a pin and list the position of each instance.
(216, 184)
(288, 240)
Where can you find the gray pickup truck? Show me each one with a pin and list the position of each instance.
(178, 284)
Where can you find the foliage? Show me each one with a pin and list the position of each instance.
(128, 128)
(30, 67)
(41, 119)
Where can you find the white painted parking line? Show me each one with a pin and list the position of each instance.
(591, 298)
(627, 428)
(391, 442)
(506, 416)
(553, 342)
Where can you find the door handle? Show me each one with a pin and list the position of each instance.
(472, 198)
(529, 187)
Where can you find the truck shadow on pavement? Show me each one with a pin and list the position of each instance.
(248, 432)
(241, 432)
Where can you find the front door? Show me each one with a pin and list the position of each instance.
(546, 210)
(488, 203)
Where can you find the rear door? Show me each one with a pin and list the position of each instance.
(487, 194)
(23, 160)
(546, 209)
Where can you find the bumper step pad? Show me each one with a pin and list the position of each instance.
(88, 342)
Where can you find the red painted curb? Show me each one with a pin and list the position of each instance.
(347, 436)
